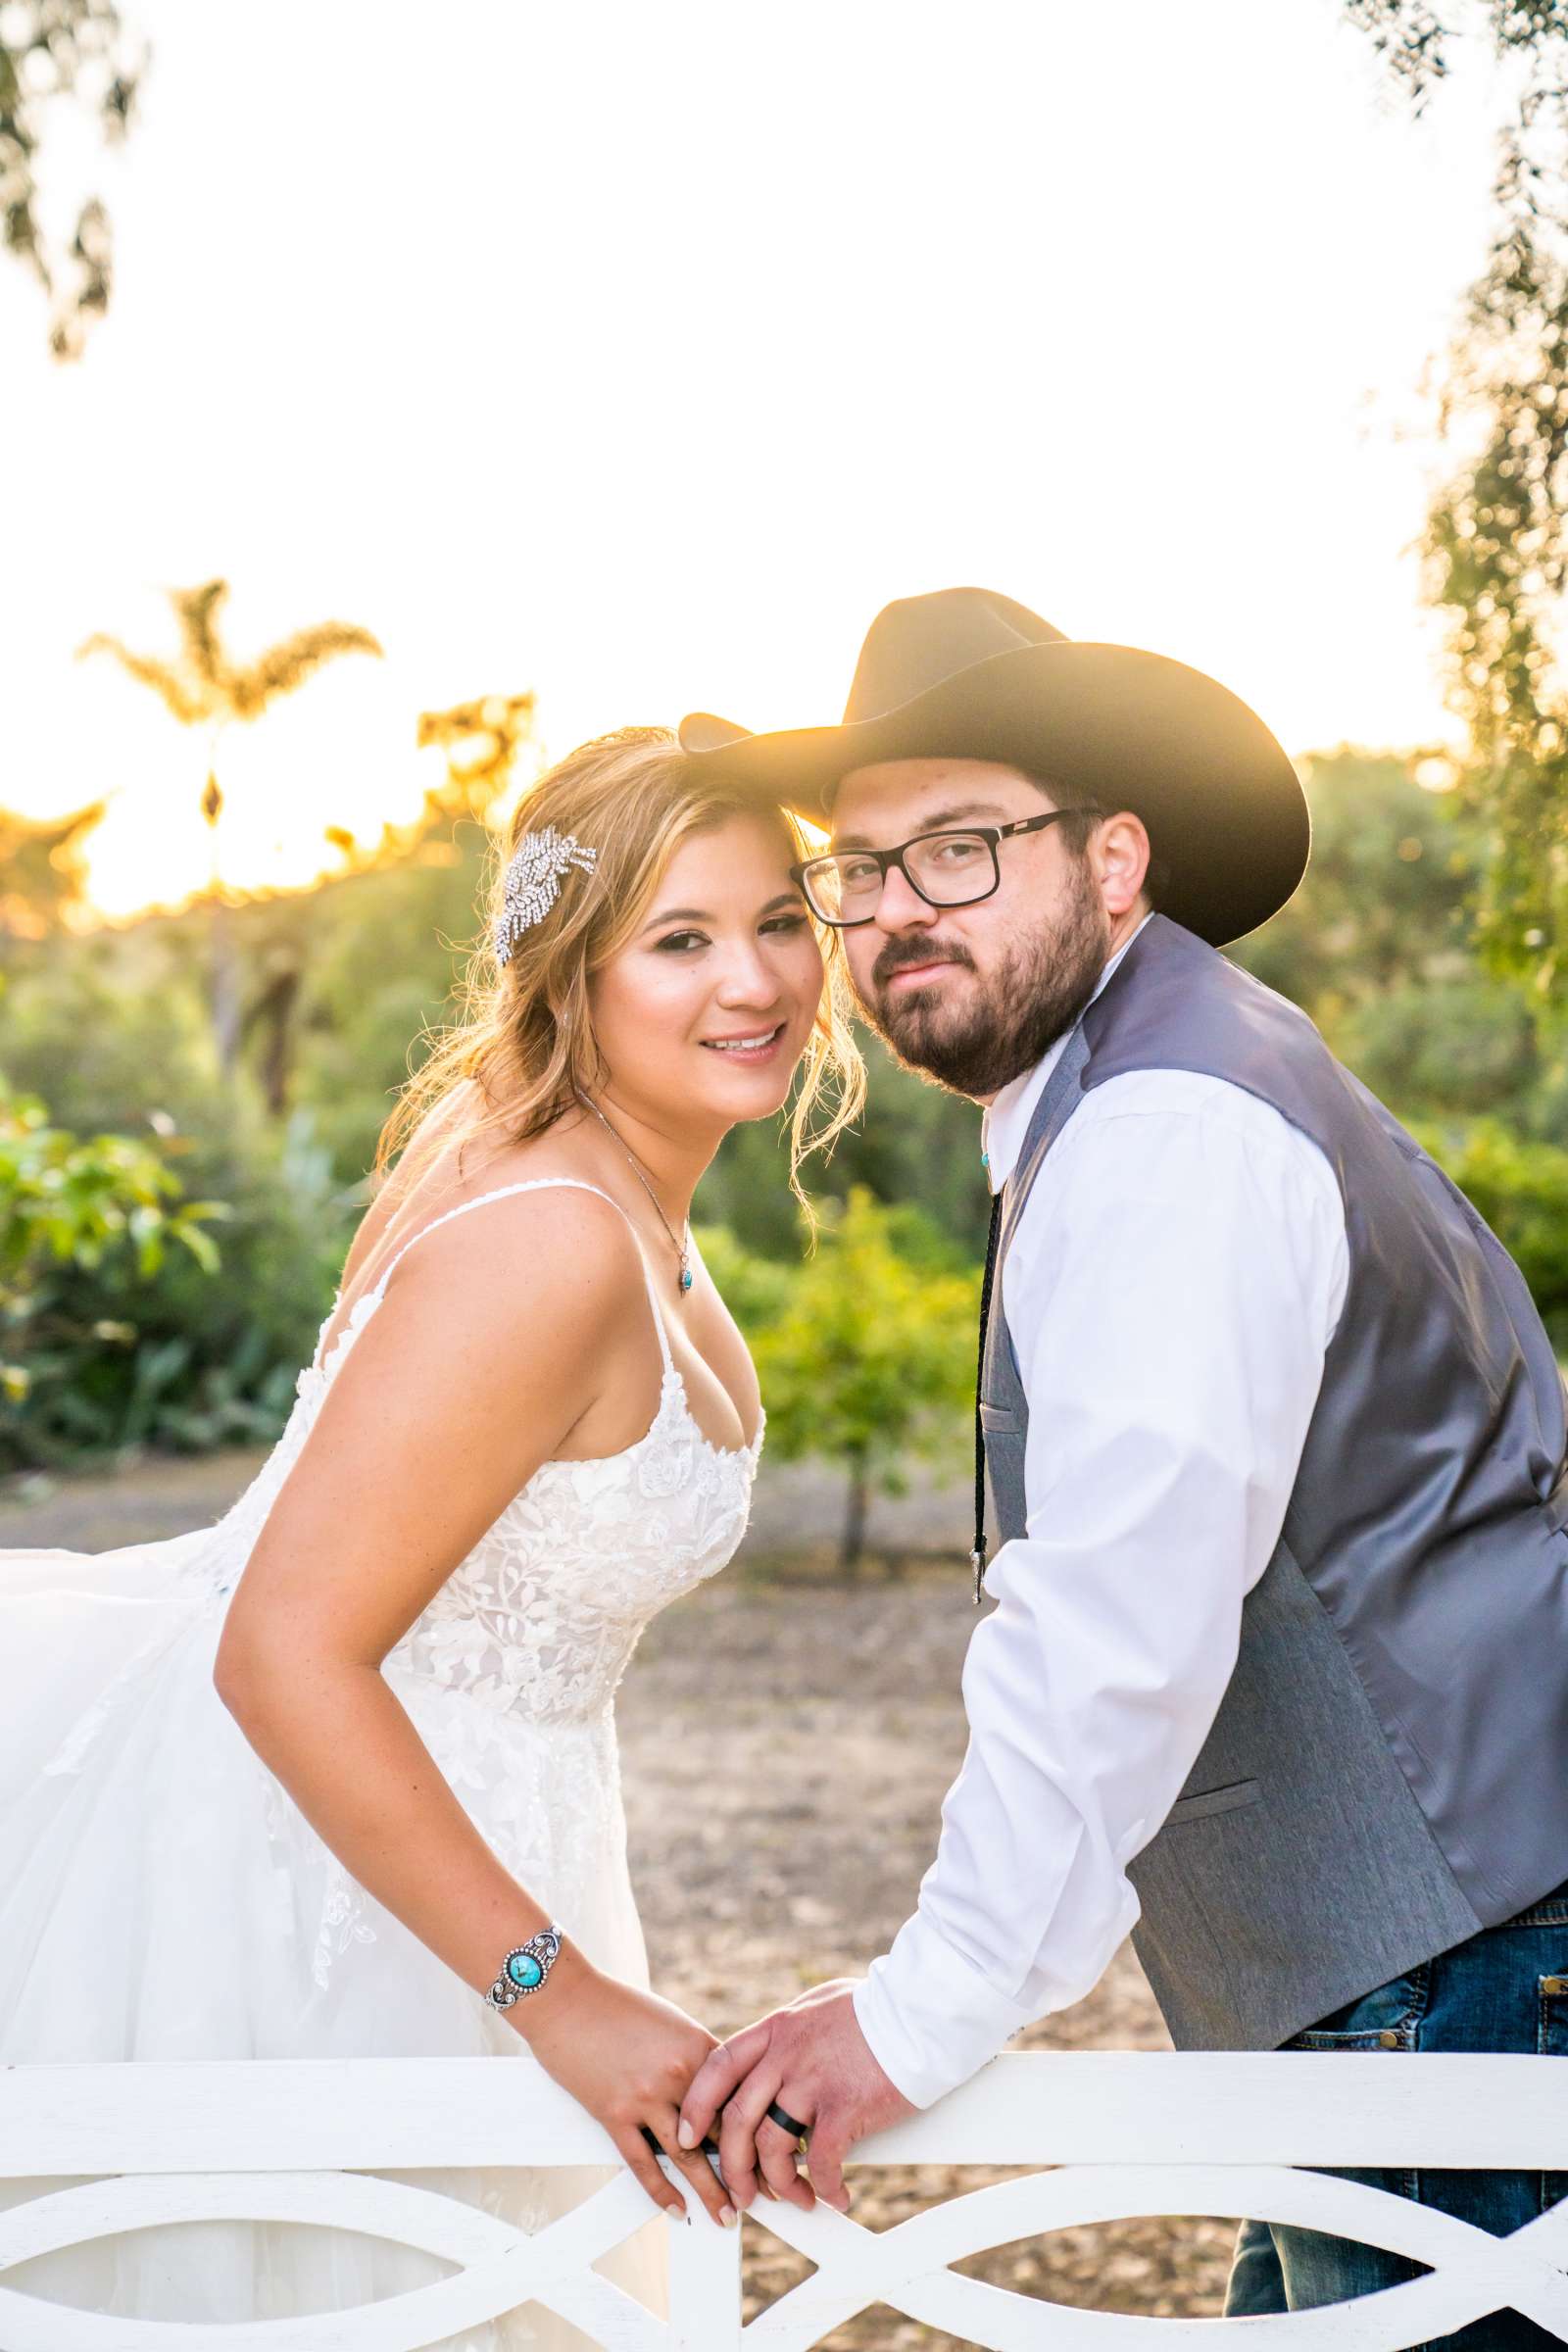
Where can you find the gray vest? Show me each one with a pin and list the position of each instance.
(1389, 1768)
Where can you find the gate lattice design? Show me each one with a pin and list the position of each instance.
(1128, 2134)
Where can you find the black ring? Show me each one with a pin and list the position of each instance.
(710, 2146)
(786, 2122)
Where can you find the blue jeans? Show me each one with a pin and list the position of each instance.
(1505, 1989)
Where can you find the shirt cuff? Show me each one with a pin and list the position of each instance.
(930, 2019)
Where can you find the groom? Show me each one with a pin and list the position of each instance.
(1278, 1672)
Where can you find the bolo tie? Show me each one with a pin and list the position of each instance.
(977, 1557)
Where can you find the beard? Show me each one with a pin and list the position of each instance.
(1011, 1017)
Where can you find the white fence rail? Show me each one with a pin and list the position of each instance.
(1131, 2135)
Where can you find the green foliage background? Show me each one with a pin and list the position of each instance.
(112, 1030)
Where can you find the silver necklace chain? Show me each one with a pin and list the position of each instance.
(682, 1247)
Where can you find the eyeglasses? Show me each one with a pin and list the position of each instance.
(946, 869)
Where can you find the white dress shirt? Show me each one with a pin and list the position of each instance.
(1170, 1289)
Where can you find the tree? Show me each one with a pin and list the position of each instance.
(1387, 896)
(1498, 535)
(51, 52)
(203, 686)
(870, 1361)
(42, 872)
(482, 740)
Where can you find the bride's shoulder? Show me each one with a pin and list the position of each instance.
(515, 1282)
(407, 1188)
(449, 1161)
(519, 1222)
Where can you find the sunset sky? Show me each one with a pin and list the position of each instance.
(638, 355)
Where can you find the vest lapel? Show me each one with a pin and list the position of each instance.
(1064, 1092)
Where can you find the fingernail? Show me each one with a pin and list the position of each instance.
(729, 2217)
(686, 2135)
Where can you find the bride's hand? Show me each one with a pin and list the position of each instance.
(628, 2057)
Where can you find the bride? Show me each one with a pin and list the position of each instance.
(337, 1776)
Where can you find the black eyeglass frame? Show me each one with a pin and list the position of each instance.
(887, 860)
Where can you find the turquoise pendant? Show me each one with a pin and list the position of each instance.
(524, 1971)
(685, 1278)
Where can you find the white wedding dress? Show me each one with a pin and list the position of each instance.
(162, 1897)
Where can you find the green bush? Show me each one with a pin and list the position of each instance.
(755, 1288)
(867, 1360)
(1462, 1045)
(124, 1324)
(1521, 1188)
(86, 1222)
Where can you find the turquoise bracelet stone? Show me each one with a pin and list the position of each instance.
(525, 1968)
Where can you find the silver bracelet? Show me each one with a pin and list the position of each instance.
(526, 1967)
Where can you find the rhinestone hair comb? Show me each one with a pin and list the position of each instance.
(533, 883)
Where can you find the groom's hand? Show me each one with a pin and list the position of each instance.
(810, 2059)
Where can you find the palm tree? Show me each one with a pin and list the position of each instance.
(481, 743)
(204, 687)
(482, 740)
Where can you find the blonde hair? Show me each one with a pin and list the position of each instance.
(523, 1044)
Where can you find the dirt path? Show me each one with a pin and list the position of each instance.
(786, 1744)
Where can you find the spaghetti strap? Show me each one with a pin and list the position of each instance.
(540, 1184)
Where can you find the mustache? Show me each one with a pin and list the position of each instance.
(900, 954)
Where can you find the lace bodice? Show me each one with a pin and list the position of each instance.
(540, 1617)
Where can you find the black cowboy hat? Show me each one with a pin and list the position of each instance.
(964, 673)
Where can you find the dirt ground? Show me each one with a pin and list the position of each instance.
(786, 1742)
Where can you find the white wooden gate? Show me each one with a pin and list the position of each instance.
(1131, 2135)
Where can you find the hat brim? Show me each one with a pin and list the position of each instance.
(1127, 729)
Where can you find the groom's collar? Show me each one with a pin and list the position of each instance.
(1006, 1118)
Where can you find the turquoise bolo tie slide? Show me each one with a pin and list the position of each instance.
(525, 1968)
